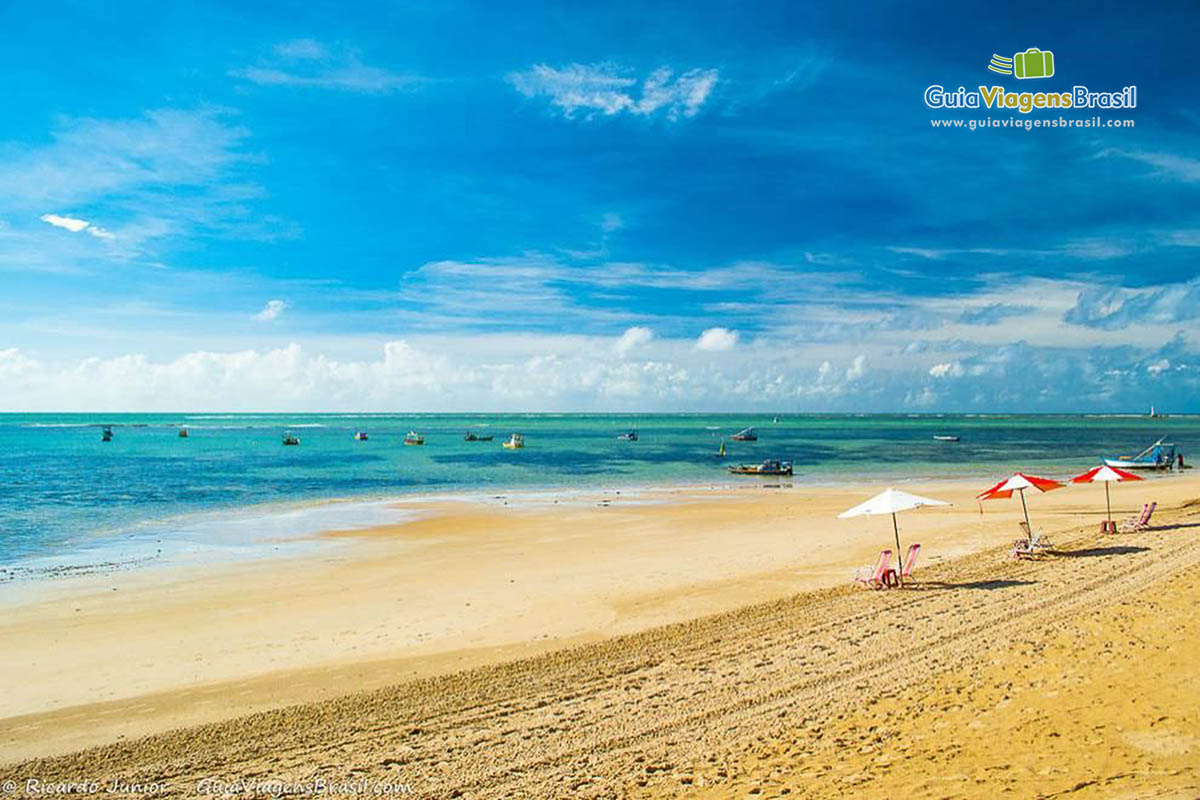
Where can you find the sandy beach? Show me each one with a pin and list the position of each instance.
(665, 643)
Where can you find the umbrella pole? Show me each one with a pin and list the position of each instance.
(1025, 508)
(1108, 503)
(899, 558)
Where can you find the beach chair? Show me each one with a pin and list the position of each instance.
(1037, 540)
(1032, 545)
(910, 561)
(877, 578)
(1141, 522)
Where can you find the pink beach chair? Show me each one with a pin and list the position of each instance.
(910, 561)
(1141, 522)
(878, 577)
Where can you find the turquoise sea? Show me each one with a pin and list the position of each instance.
(66, 497)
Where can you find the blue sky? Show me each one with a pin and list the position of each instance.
(665, 207)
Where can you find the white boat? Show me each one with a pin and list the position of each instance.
(945, 438)
(515, 442)
(361, 436)
(414, 438)
(745, 435)
(1160, 455)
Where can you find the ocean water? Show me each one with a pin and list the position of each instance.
(67, 498)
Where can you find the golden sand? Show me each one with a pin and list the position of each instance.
(830, 690)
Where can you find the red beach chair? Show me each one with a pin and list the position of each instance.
(877, 578)
(910, 561)
(1140, 522)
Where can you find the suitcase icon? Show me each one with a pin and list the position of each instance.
(1033, 63)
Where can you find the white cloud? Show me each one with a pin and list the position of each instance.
(609, 89)
(717, 340)
(302, 49)
(93, 157)
(633, 339)
(1171, 165)
(1159, 366)
(307, 63)
(271, 310)
(76, 225)
(127, 167)
(554, 372)
(611, 221)
(69, 223)
(946, 369)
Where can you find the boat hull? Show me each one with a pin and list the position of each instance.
(1120, 463)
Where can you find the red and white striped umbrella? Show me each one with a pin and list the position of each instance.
(1019, 482)
(1106, 475)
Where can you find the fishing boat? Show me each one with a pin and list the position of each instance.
(106, 433)
(472, 436)
(414, 438)
(745, 435)
(290, 440)
(361, 436)
(515, 442)
(183, 433)
(945, 438)
(628, 436)
(1160, 455)
(772, 466)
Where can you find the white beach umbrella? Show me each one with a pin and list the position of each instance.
(891, 501)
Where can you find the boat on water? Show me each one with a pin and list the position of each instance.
(106, 434)
(414, 438)
(945, 438)
(772, 466)
(515, 442)
(628, 436)
(721, 451)
(361, 436)
(183, 433)
(1161, 455)
(472, 436)
(745, 435)
(290, 440)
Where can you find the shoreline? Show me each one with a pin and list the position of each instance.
(464, 585)
(113, 552)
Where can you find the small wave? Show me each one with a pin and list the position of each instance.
(192, 427)
(61, 425)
